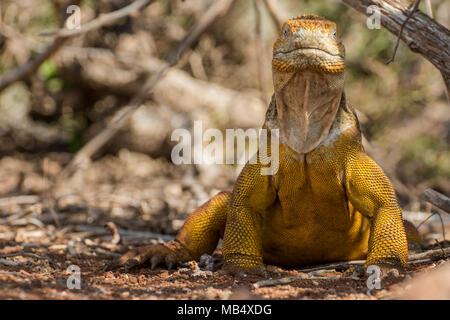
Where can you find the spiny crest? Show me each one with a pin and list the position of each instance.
(311, 22)
(309, 17)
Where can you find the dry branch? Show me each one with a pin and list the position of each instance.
(102, 20)
(438, 199)
(422, 34)
(122, 116)
(24, 71)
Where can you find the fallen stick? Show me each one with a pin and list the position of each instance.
(334, 266)
(424, 256)
(314, 275)
(124, 233)
(26, 254)
(18, 200)
(12, 263)
(435, 254)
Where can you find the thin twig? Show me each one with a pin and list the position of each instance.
(430, 254)
(337, 265)
(54, 215)
(25, 70)
(420, 224)
(49, 201)
(278, 15)
(111, 226)
(123, 115)
(10, 32)
(416, 5)
(102, 20)
(26, 254)
(219, 8)
(442, 225)
(442, 249)
(12, 263)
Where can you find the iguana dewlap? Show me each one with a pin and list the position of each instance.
(328, 201)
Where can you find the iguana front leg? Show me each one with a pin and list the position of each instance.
(370, 191)
(242, 244)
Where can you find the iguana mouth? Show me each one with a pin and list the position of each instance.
(310, 49)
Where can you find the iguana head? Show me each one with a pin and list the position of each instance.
(308, 77)
(309, 42)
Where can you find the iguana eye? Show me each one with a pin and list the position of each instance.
(334, 34)
(286, 32)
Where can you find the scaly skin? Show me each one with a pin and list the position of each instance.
(328, 201)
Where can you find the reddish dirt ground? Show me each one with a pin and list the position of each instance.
(41, 279)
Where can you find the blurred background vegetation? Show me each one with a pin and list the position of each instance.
(402, 106)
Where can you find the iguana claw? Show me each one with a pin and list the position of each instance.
(171, 254)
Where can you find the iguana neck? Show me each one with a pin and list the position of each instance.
(307, 103)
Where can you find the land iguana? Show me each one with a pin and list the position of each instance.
(328, 201)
